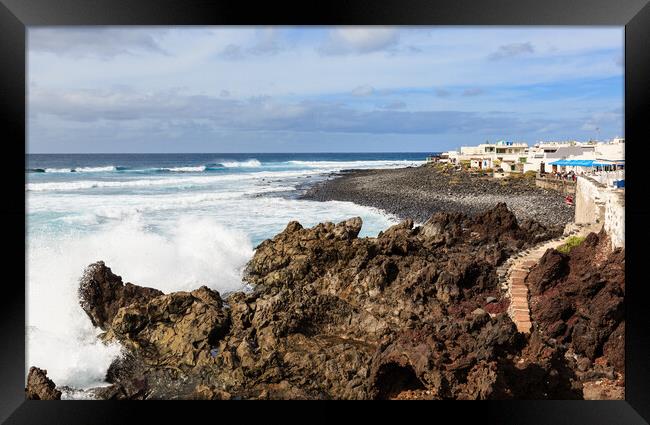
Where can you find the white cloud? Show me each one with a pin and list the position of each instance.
(600, 120)
(448, 58)
(129, 109)
(265, 42)
(511, 50)
(359, 40)
(364, 90)
(84, 81)
(100, 42)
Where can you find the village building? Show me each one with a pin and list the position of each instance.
(603, 161)
(541, 156)
(508, 156)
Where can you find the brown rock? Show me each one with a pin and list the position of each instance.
(102, 294)
(580, 302)
(40, 387)
(335, 316)
(176, 330)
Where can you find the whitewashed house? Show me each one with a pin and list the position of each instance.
(502, 154)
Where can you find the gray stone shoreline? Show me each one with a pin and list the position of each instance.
(418, 192)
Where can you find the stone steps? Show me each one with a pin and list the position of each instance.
(513, 272)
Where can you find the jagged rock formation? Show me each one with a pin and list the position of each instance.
(40, 387)
(102, 294)
(413, 313)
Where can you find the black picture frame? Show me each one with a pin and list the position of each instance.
(16, 15)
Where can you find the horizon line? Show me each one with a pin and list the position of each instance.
(211, 153)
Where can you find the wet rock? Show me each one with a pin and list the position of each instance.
(39, 386)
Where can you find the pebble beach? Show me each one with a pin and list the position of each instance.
(419, 192)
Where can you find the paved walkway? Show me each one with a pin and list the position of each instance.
(512, 273)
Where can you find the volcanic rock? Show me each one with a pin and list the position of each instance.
(175, 330)
(102, 294)
(577, 299)
(335, 316)
(40, 387)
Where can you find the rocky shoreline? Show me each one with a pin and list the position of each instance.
(418, 192)
(414, 313)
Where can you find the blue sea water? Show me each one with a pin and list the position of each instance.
(169, 221)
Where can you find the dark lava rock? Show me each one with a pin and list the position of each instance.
(578, 300)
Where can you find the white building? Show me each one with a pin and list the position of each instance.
(604, 163)
(502, 154)
(542, 154)
(543, 157)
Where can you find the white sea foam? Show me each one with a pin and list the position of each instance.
(251, 163)
(62, 340)
(58, 170)
(88, 212)
(95, 169)
(357, 164)
(178, 182)
(81, 169)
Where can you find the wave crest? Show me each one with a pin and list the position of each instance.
(197, 169)
(75, 170)
(250, 163)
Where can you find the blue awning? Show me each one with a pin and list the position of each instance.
(574, 162)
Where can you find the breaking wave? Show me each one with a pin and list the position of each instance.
(75, 170)
(198, 251)
(251, 163)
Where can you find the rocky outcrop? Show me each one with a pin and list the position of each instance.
(175, 330)
(408, 314)
(102, 294)
(577, 299)
(40, 387)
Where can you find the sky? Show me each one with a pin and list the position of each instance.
(319, 89)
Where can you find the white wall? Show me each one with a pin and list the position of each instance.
(596, 202)
(590, 208)
(615, 218)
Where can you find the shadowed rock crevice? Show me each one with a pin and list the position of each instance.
(393, 379)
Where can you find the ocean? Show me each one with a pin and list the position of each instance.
(168, 221)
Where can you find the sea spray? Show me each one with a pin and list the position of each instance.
(61, 338)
